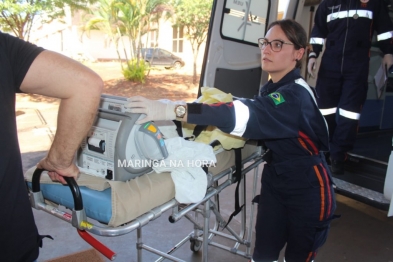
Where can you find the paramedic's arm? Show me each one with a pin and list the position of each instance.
(384, 27)
(264, 116)
(79, 89)
(165, 110)
(318, 34)
(320, 29)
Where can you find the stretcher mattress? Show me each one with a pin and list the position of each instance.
(115, 203)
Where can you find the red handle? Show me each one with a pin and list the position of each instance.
(97, 245)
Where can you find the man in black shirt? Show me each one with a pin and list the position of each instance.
(27, 68)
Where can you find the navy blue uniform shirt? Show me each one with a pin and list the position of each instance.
(348, 27)
(285, 116)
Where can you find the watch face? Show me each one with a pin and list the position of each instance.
(180, 111)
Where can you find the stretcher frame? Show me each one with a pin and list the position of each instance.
(201, 236)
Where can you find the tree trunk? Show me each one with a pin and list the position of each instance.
(196, 52)
(118, 53)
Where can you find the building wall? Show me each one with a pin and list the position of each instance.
(69, 39)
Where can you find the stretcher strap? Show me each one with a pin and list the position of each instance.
(237, 175)
(237, 178)
(178, 127)
(196, 132)
(41, 237)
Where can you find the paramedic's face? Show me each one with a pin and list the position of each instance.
(279, 63)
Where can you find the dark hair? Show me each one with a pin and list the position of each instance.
(295, 33)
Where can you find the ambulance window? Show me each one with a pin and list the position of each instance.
(282, 9)
(244, 21)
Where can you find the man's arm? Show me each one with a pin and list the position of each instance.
(384, 27)
(317, 38)
(79, 88)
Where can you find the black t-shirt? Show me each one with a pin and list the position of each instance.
(19, 239)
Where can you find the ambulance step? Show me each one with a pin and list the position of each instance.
(361, 194)
(365, 172)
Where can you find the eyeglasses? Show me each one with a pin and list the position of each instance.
(276, 45)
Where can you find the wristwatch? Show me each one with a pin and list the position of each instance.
(180, 111)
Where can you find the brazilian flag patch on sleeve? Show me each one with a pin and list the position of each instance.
(277, 98)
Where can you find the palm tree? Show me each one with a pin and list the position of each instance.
(135, 17)
(103, 17)
(131, 18)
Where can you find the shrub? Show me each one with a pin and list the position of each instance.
(134, 71)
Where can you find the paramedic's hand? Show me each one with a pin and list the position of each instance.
(153, 109)
(312, 64)
(387, 61)
(57, 173)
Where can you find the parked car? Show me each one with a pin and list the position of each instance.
(161, 57)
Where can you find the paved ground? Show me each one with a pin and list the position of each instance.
(362, 234)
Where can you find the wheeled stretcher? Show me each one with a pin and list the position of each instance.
(92, 210)
(113, 199)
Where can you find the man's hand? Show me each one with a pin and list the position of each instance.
(153, 109)
(387, 62)
(57, 174)
(312, 64)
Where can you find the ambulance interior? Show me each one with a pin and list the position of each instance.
(231, 61)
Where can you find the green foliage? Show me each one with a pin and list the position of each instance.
(17, 16)
(194, 16)
(134, 17)
(102, 17)
(131, 18)
(136, 71)
(118, 18)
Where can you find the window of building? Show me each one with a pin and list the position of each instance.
(178, 37)
(153, 39)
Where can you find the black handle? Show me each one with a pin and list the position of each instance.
(36, 180)
(76, 193)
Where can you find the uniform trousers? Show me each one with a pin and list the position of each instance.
(296, 206)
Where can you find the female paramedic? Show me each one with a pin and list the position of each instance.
(297, 202)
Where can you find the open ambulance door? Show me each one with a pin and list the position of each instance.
(232, 58)
(232, 61)
(232, 64)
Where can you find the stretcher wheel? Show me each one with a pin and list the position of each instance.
(195, 245)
